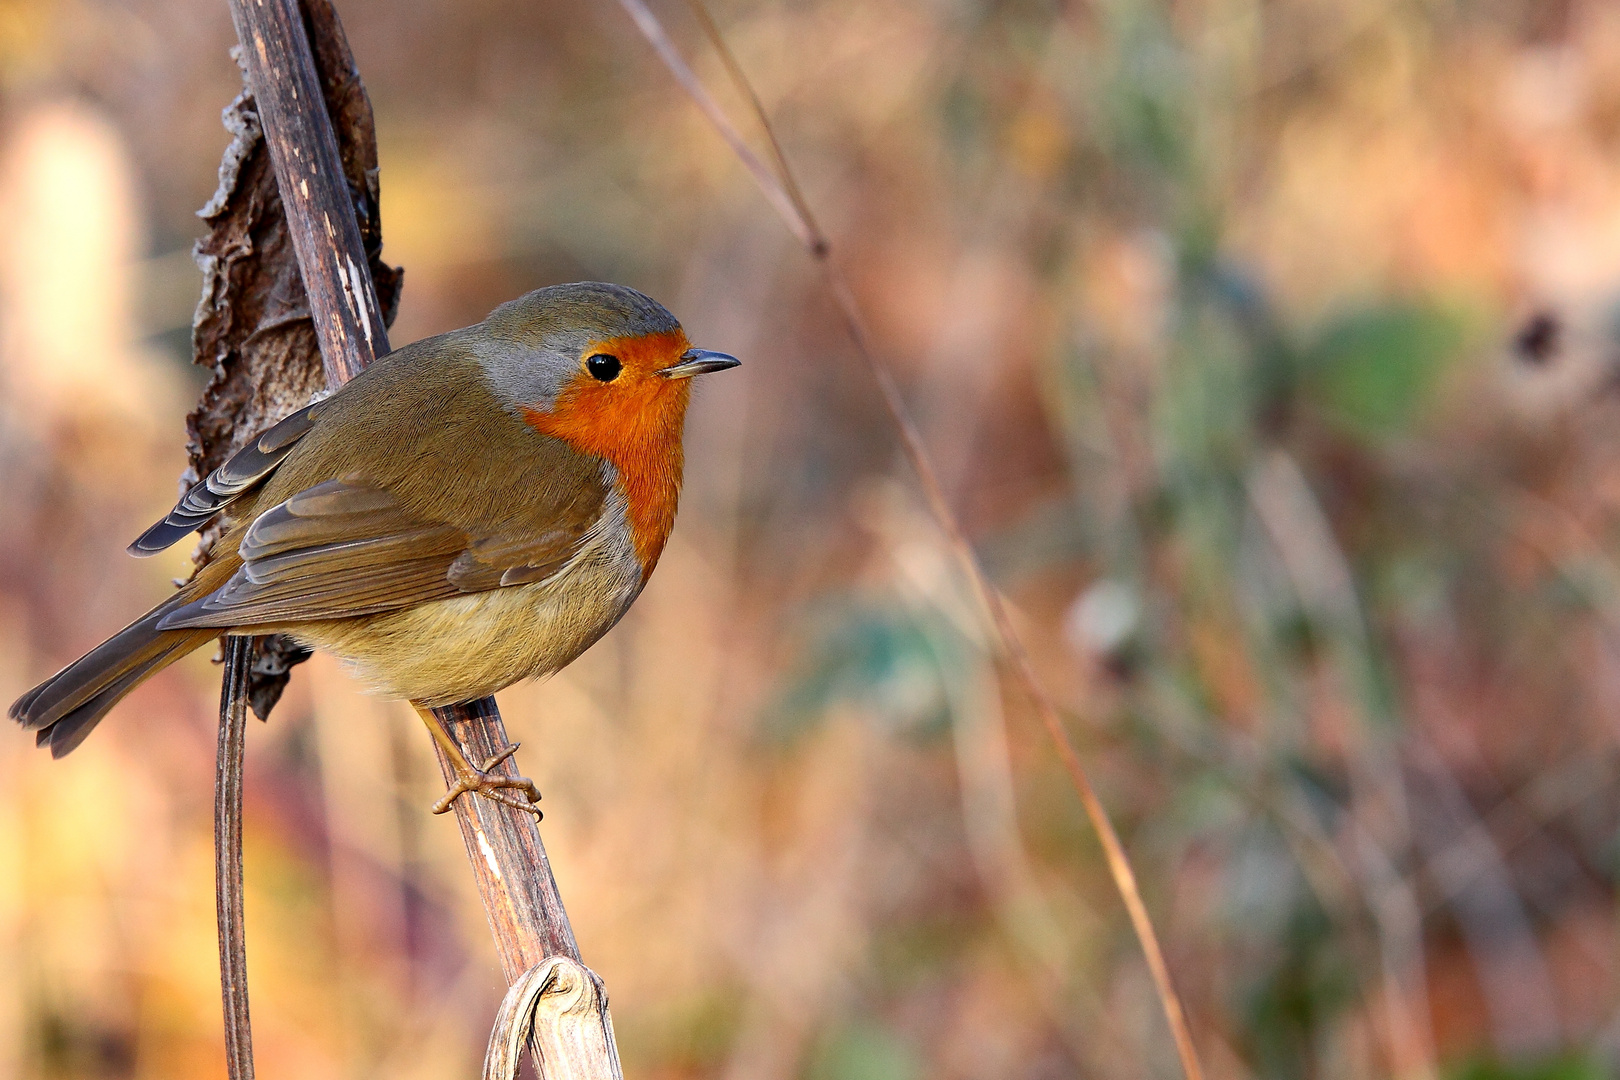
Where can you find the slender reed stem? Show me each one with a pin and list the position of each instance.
(233, 986)
(784, 195)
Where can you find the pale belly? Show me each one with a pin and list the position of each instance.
(468, 647)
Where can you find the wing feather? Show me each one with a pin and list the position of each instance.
(244, 469)
(344, 548)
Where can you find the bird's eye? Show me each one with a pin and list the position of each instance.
(603, 367)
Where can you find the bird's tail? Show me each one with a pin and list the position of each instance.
(65, 707)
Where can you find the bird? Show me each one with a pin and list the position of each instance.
(473, 509)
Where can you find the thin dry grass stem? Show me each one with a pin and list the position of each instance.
(228, 888)
(814, 238)
(783, 195)
(773, 188)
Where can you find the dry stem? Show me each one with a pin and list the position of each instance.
(514, 878)
(233, 989)
(784, 195)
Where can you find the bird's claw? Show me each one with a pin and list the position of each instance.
(493, 786)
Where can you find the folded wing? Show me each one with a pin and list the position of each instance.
(345, 548)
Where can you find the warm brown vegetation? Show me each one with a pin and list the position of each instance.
(1219, 321)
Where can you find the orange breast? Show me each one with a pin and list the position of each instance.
(634, 422)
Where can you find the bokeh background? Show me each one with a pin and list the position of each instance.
(1269, 350)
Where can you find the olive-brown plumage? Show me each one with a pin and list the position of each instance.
(473, 509)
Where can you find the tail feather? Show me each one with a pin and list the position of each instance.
(64, 734)
(65, 707)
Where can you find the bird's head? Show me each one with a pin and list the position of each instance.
(608, 371)
(601, 366)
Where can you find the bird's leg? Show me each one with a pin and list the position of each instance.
(479, 780)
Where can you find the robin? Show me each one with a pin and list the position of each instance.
(473, 509)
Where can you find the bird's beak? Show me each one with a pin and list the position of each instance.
(699, 362)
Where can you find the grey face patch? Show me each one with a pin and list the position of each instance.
(529, 377)
(532, 346)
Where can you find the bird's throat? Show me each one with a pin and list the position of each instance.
(636, 428)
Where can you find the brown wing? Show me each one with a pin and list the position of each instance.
(345, 548)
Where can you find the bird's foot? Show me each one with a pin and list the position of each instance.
(492, 785)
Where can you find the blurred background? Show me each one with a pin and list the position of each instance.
(1270, 350)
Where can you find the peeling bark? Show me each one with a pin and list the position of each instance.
(252, 326)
